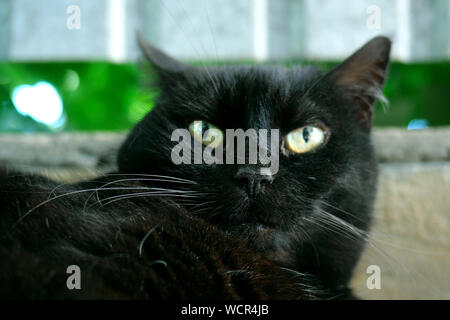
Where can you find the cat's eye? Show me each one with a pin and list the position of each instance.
(206, 133)
(304, 139)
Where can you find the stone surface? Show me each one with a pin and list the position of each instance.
(65, 150)
(410, 239)
(397, 145)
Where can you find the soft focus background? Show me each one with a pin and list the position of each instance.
(69, 68)
(86, 51)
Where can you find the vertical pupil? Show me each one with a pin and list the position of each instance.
(204, 127)
(306, 133)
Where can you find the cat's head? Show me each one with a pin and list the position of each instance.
(325, 158)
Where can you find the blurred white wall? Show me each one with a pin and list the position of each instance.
(221, 29)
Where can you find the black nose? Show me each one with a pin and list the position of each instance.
(252, 180)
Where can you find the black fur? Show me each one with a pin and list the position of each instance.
(203, 236)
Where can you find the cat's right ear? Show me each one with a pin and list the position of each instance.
(167, 68)
(362, 75)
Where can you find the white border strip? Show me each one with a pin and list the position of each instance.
(404, 29)
(116, 30)
(260, 30)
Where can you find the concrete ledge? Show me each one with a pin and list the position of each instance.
(64, 150)
(399, 145)
(94, 150)
(410, 239)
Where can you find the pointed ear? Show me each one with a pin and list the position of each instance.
(361, 77)
(168, 68)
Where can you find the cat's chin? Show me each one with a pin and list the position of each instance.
(272, 243)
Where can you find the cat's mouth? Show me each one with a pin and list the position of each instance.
(272, 243)
(261, 216)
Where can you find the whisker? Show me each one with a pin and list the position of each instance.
(353, 233)
(128, 180)
(84, 191)
(151, 176)
(144, 194)
(141, 245)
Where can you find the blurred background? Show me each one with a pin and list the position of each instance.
(77, 58)
(70, 88)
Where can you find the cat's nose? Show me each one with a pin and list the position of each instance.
(252, 180)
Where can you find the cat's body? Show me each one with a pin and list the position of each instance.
(142, 248)
(161, 230)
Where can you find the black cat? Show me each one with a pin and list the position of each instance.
(161, 230)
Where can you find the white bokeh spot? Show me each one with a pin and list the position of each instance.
(41, 102)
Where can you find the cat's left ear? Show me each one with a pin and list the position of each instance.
(361, 77)
(167, 68)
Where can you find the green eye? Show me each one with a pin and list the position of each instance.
(206, 133)
(304, 139)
